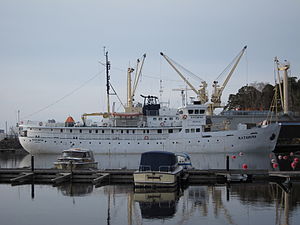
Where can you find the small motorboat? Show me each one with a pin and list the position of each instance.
(184, 160)
(76, 158)
(158, 169)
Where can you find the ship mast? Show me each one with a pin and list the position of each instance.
(284, 67)
(107, 64)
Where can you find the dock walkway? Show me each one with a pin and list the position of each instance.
(17, 176)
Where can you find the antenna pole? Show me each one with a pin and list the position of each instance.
(107, 63)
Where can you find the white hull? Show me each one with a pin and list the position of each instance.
(249, 140)
(155, 178)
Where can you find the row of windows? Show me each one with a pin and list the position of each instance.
(122, 143)
(159, 131)
(160, 118)
(197, 130)
(196, 111)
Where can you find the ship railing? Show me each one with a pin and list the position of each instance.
(163, 168)
(166, 168)
(144, 168)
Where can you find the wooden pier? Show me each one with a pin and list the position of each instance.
(125, 176)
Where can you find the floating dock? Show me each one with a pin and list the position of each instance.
(55, 177)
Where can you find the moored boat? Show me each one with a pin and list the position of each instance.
(76, 158)
(146, 127)
(184, 160)
(158, 169)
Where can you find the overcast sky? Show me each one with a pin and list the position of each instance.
(50, 48)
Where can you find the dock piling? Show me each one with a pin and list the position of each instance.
(32, 163)
(227, 162)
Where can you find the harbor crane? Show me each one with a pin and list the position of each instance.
(131, 88)
(201, 92)
(129, 108)
(217, 89)
(284, 97)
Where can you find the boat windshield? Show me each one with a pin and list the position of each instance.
(75, 154)
(158, 161)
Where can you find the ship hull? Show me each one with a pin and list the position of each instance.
(248, 140)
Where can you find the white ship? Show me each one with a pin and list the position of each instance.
(149, 127)
(186, 131)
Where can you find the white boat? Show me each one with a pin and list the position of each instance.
(146, 127)
(184, 160)
(158, 169)
(186, 130)
(76, 158)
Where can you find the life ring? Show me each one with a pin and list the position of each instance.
(162, 124)
(146, 138)
(184, 117)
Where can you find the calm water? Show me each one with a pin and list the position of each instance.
(83, 204)
(131, 161)
(251, 203)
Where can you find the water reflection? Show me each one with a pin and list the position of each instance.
(131, 161)
(157, 203)
(248, 203)
(76, 189)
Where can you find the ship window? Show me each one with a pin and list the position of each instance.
(112, 131)
(202, 111)
(190, 111)
(90, 142)
(180, 112)
(51, 129)
(61, 130)
(170, 130)
(121, 131)
(102, 131)
(160, 118)
(144, 131)
(80, 131)
(147, 131)
(154, 118)
(166, 118)
(127, 131)
(196, 111)
(170, 118)
(96, 131)
(180, 130)
(70, 130)
(90, 131)
(187, 131)
(197, 130)
(133, 131)
(159, 131)
(193, 130)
